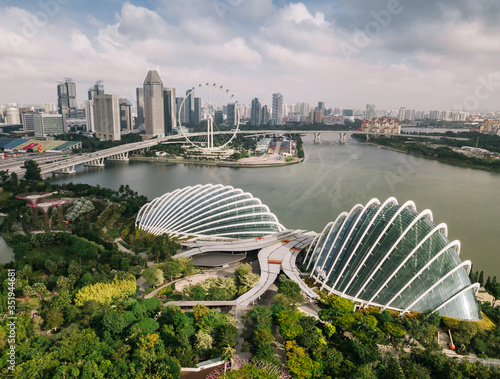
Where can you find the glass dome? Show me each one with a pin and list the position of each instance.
(208, 210)
(391, 256)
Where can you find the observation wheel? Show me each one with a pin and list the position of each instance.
(209, 116)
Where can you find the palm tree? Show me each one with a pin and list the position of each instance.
(227, 355)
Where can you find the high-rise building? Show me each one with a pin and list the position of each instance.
(125, 114)
(347, 112)
(316, 116)
(277, 117)
(231, 114)
(89, 115)
(265, 115)
(97, 89)
(434, 115)
(107, 117)
(66, 100)
(154, 120)
(219, 117)
(402, 114)
(28, 121)
(189, 105)
(370, 111)
(256, 113)
(410, 114)
(182, 117)
(196, 114)
(139, 94)
(169, 110)
(47, 124)
(321, 106)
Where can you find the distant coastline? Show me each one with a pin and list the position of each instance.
(442, 160)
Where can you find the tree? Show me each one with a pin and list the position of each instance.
(33, 172)
(53, 318)
(64, 282)
(481, 279)
(125, 264)
(245, 278)
(227, 355)
(261, 338)
(493, 289)
(51, 266)
(203, 340)
(299, 363)
(200, 311)
(62, 300)
(40, 290)
(153, 276)
(75, 269)
(117, 322)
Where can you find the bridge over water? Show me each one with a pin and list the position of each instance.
(120, 153)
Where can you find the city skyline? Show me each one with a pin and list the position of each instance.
(393, 54)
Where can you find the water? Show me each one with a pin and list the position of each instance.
(6, 252)
(334, 178)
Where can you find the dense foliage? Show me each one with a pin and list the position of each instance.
(443, 150)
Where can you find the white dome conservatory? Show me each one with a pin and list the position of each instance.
(391, 256)
(216, 211)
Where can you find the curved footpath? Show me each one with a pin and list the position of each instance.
(277, 252)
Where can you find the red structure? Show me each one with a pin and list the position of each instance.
(33, 198)
(34, 202)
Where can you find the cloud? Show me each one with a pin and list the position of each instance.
(422, 55)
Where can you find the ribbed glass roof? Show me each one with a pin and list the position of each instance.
(392, 256)
(208, 210)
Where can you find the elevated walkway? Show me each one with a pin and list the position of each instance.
(277, 252)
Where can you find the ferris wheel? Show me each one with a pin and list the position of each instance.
(209, 116)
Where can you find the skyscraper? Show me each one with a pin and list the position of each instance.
(196, 115)
(255, 113)
(139, 94)
(231, 114)
(219, 117)
(89, 115)
(66, 100)
(154, 120)
(189, 106)
(182, 118)
(169, 110)
(125, 115)
(107, 117)
(265, 115)
(97, 89)
(402, 114)
(370, 111)
(277, 116)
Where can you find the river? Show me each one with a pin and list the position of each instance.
(333, 178)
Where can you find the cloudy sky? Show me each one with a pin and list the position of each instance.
(440, 54)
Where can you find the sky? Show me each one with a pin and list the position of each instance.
(440, 54)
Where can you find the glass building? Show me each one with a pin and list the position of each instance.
(216, 211)
(393, 257)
